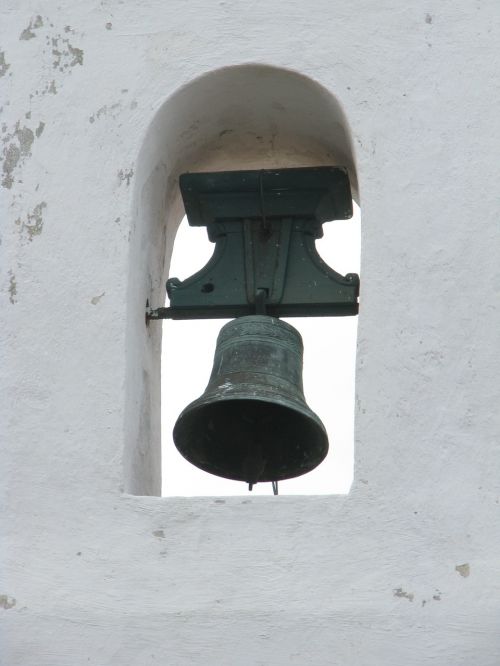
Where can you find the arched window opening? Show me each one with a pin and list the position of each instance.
(329, 369)
(241, 117)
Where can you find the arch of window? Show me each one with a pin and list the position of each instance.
(241, 117)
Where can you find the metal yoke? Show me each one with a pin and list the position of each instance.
(264, 225)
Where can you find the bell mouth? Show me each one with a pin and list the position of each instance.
(251, 440)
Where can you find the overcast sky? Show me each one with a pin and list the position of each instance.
(329, 363)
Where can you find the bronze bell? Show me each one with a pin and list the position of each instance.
(252, 422)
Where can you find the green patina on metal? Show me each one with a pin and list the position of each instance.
(264, 225)
(252, 422)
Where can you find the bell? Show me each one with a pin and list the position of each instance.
(252, 422)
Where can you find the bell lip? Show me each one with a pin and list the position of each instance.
(280, 477)
(211, 398)
(216, 471)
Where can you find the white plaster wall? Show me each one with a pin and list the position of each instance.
(406, 569)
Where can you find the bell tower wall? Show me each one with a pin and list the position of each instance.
(103, 105)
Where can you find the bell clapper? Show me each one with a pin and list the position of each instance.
(260, 301)
(274, 485)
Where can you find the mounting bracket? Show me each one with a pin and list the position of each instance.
(264, 225)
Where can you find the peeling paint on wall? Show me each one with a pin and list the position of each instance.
(65, 54)
(7, 602)
(463, 569)
(12, 288)
(399, 592)
(4, 66)
(77, 55)
(25, 137)
(59, 54)
(435, 597)
(17, 148)
(12, 155)
(34, 24)
(96, 299)
(125, 175)
(50, 89)
(33, 225)
(104, 110)
(14, 152)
